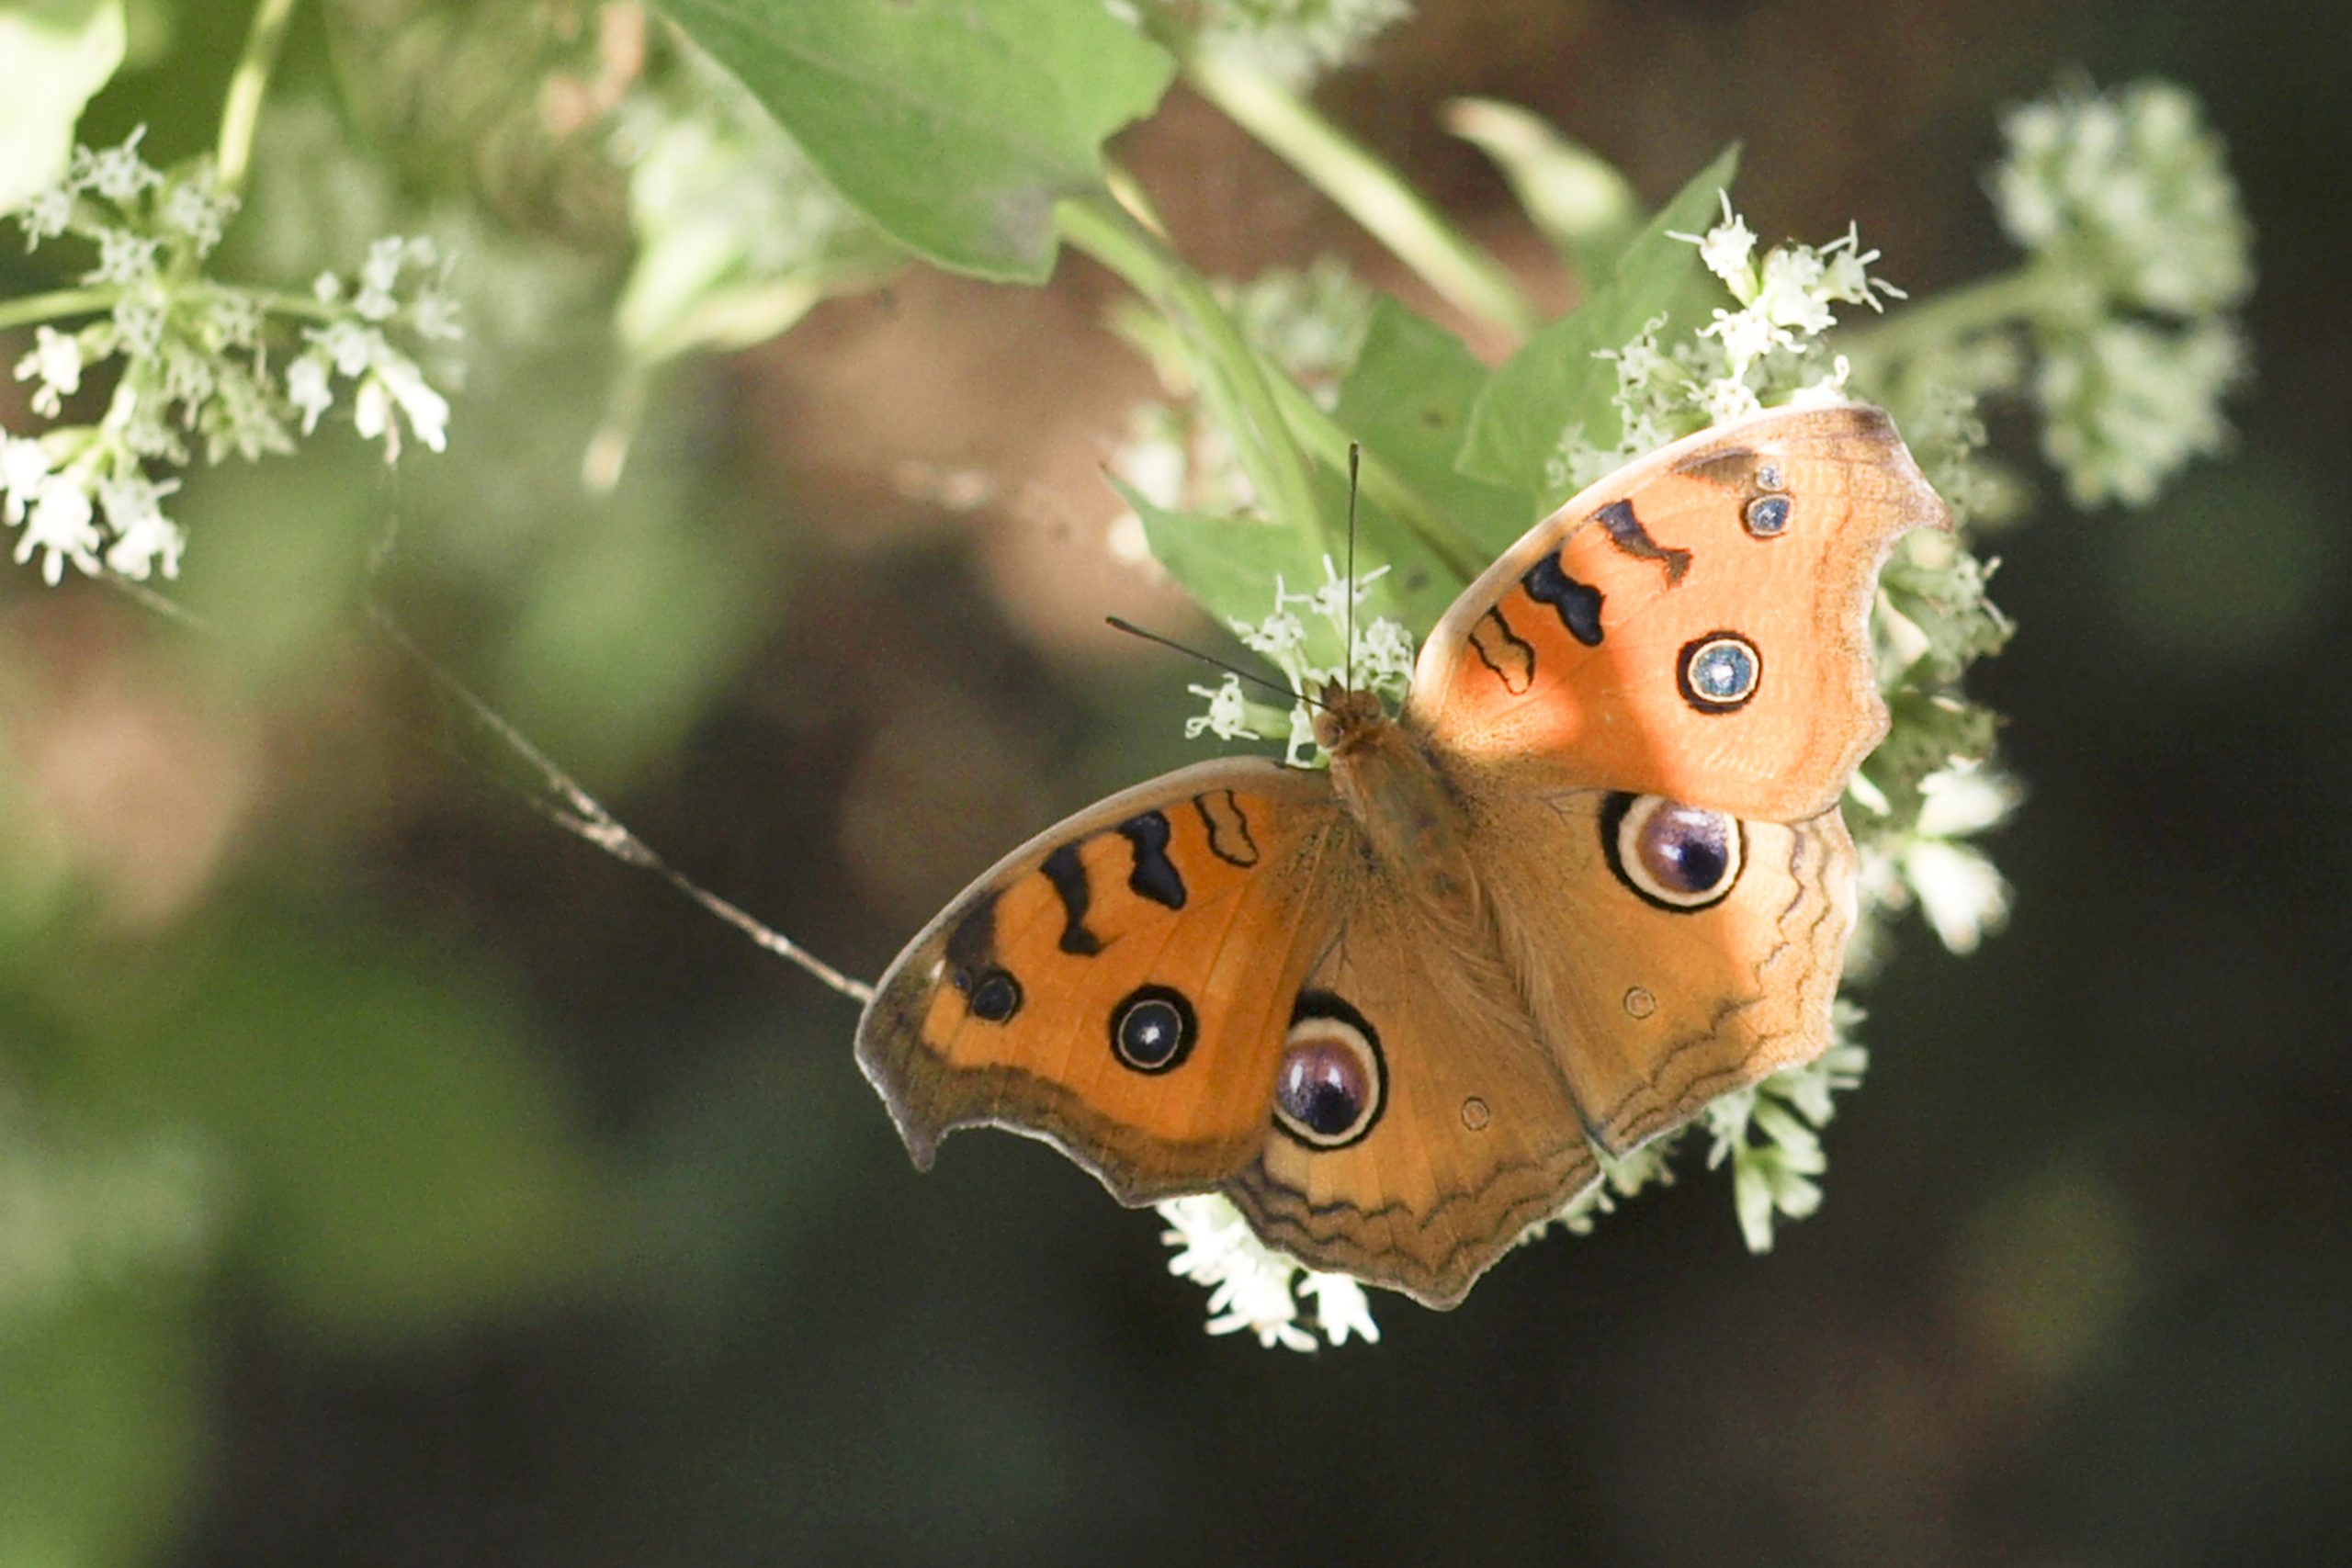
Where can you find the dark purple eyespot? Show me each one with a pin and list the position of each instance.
(1329, 1087)
(1674, 855)
(1153, 1029)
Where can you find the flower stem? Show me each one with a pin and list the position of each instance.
(1097, 225)
(56, 305)
(1368, 190)
(242, 112)
(2020, 294)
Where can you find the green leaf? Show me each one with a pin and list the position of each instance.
(1230, 565)
(53, 55)
(1554, 384)
(954, 125)
(1408, 399)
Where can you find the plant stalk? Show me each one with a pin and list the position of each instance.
(56, 305)
(1100, 228)
(242, 112)
(1368, 190)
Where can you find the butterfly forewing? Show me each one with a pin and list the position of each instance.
(1695, 626)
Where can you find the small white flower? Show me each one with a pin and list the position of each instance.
(1341, 1308)
(119, 174)
(1968, 798)
(1846, 272)
(434, 316)
(198, 210)
(371, 415)
(55, 363)
(236, 316)
(47, 214)
(1746, 335)
(1726, 249)
(125, 257)
(1229, 714)
(1281, 636)
(60, 526)
(1253, 1287)
(309, 388)
(141, 316)
(24, 464)
(143, 536)
(1792, 296)
(379, 274)
(1961, 893)
(354, 348)
(1386, 654)
(1298, 751)
(426, 411)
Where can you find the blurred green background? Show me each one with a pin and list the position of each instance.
(387, 1177)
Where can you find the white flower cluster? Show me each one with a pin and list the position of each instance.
(1771, 349)
(2125, 204)
(1382, 661)
(1961, 894)
(1770, 1133)
(1253, 1287)
(2130, 187)
(1294, 41)
(196, 361)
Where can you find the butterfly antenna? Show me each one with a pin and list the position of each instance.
(1274, 686)
(1355, 460)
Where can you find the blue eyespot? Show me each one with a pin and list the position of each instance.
(1767, 515)
(1719, 671)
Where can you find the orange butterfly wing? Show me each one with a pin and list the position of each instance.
(1182, 897)
(1697, 625)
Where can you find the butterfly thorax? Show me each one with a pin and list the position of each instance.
(1387, 778)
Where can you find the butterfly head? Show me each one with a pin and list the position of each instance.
(1345, 720)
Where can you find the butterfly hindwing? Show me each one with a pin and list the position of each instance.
(1668, 954)
(1474, 1138)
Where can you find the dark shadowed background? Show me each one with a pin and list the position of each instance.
(536, 1218)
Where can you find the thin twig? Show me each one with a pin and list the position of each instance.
(585, 816)
(580, 814)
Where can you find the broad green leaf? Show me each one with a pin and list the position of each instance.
(954, 125)
(1408, 399)
(53, 55)
(1555, 383)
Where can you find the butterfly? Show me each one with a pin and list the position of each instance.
(1590, 877)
